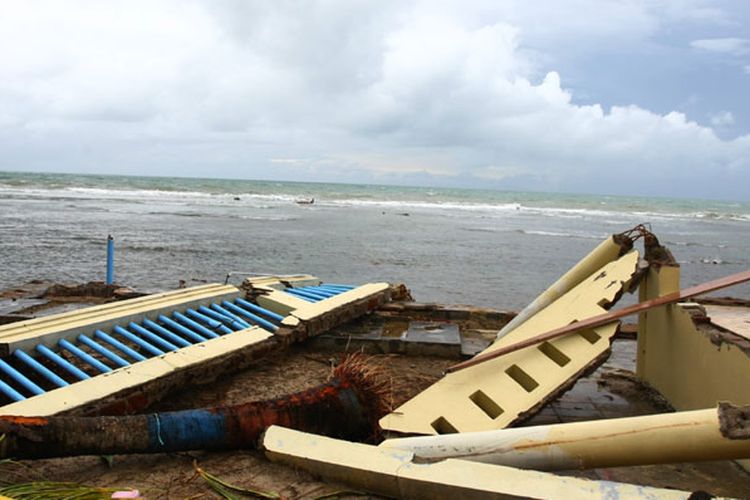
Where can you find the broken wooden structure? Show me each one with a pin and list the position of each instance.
(394, 473)
(119, 357)
(501, 391)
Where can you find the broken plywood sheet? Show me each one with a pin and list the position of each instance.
(392, 473)
(496, 393)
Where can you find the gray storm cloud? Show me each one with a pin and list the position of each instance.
(442, 93)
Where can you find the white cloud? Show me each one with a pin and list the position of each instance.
(352, 90)
(722, 118)
(731, 46)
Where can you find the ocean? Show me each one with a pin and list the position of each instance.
(486, 248)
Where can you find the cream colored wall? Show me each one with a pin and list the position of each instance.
(680, 361)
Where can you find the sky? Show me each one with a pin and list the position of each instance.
(633, 97)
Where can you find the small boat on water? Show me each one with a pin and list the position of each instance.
(304, 201)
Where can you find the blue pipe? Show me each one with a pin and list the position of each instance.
(221, 310)
(212, 323)
(192, 324)
(163, 344)
(220, 317)
(181, 329)
(166, 333)
(36, 365)
(292, 291)
(303, 295)
(20, 378)
(252, 317)
(260, 310)
(62, 362)
(334, 291)
(11, 392)
(102, 350)
(320, 291)
(313, 293)
(110, 260)
(338, 285)
(138, 341)
(84, 356)
(119, 345)
(209, 322)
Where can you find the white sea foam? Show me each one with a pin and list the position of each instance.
(603, 212)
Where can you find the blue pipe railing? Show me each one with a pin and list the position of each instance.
(138, 341)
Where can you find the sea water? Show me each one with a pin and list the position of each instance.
(487, 248)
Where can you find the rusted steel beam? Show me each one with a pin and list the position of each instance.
(347, 407)
(609, 317)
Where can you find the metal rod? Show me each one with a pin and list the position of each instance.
(252, 317)
(138, 341)
(11, 392)
(36, 365)
(110, 260)
(301, 295)
(62, 362)
(609, 317)
(210, 322)
(119, 345)
(319, 290)
(155, 327)
(338, 285)
(20, 378)
(192, 324)
(217, 316)
(162, 343)
(313, 293)
(260, 310)
(84, 356)
(181, 329)
(103, 351)
(221, 310)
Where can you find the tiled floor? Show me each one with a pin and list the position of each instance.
(612, 392)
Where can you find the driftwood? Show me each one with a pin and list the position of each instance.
(348, 406)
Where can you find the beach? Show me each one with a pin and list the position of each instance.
(485, 248)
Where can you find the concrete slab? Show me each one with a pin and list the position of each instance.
(731, 318)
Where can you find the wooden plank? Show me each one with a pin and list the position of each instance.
(609, 317)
